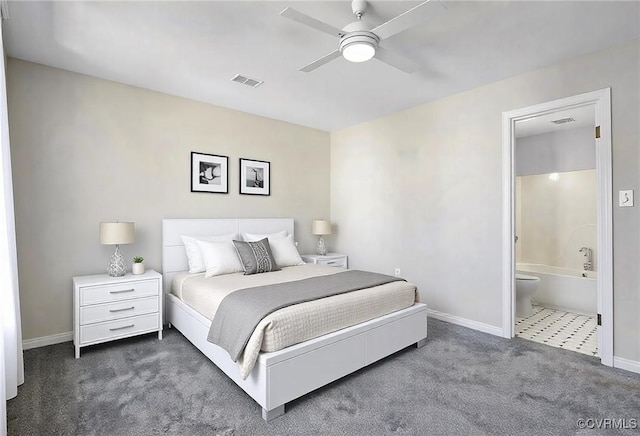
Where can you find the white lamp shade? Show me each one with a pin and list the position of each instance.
(117, 233)
(320, 227)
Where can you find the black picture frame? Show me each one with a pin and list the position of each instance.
(209, 173)
(255, 177)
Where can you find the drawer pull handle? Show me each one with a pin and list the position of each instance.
(332, 262)
(122, 328)
(122, 310)
(122, 291)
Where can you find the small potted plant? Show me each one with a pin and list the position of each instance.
(138, 265)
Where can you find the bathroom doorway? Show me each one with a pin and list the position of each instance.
(544, 160)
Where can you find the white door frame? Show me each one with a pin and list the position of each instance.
(602, 101)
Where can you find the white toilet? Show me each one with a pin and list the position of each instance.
(526, 286)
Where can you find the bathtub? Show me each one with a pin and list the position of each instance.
(563, 288)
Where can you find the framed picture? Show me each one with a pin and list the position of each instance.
(255, 177)
(209, 173)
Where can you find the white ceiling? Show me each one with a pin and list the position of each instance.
(193, 49)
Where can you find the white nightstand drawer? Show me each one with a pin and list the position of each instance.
(118, 291)
(121, 309)
(340, 262)
(122, 327)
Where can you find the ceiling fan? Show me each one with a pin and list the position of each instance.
(358, 43)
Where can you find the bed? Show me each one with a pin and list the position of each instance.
(282, 376)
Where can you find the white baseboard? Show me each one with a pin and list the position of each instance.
(475, 325)
(27, 344)
(626, 364)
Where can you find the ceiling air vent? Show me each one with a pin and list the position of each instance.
(239, 78)
(563, 121)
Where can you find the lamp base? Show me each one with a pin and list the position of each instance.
(116, 266)
(321, 248)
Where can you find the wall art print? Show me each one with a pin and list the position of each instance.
(209, 173)
(255, 177)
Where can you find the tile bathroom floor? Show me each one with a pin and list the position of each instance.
(566, 330)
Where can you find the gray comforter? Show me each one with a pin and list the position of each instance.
(240, 312)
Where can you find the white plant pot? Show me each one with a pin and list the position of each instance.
(138, 268)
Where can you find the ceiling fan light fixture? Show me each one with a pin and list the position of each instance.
(359, 46)
(358, 52)
(358, 41)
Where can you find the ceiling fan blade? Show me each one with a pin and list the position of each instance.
(301, 18)
(396, 60)
(320, 62)
(418, 14)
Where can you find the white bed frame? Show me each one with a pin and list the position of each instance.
(284, 375)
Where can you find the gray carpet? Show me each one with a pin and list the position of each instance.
(461, 382)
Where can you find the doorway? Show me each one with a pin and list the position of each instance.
(600, 102)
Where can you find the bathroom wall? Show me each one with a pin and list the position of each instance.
(555, 217)
(555, 152)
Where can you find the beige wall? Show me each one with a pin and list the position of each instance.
(555, 218)
(422, 189)
(86, 150)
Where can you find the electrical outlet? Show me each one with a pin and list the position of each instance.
(397, 272)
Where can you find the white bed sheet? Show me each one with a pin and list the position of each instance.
(297, 323)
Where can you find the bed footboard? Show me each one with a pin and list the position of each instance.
(282, 376)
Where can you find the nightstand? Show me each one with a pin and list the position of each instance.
(331, 259)
(107, 308)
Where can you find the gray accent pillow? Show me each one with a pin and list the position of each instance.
(256, 257)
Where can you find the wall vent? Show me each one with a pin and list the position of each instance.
(254, 83)
(563, 121)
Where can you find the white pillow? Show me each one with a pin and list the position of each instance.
(255, 237)
(196, 264)
(220, 257)
(285, 252)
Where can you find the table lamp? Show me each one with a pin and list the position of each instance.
(321, 227)
(116, 234)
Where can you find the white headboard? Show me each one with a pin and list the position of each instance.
(174, 258)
